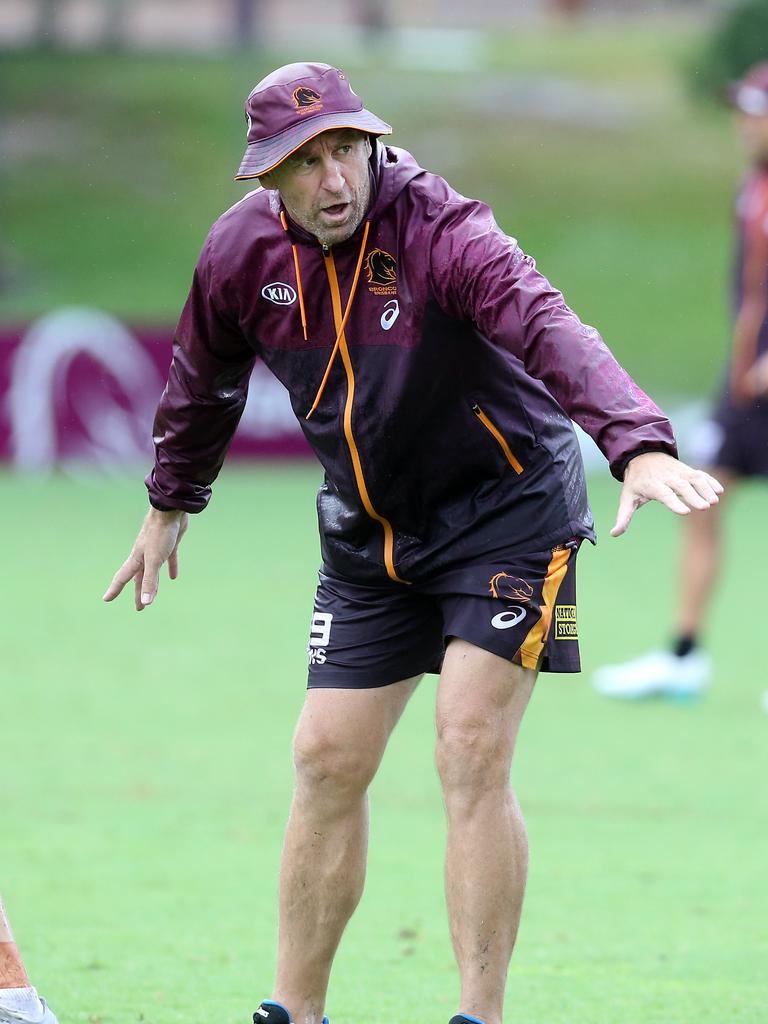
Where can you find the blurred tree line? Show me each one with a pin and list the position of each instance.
(739, 40)
(244, 17)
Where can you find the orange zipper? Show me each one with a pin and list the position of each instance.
(491, 427)
(389, 537)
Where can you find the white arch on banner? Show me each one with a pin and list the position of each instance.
(38, 382)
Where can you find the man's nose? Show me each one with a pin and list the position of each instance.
(333, 180)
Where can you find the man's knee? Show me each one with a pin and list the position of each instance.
(472, 757)
(330, 761)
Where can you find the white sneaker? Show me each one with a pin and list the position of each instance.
(658, 674)
(14, 1017)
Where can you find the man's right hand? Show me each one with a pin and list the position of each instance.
(158, 542)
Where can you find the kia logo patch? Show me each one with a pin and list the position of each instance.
(279, 293)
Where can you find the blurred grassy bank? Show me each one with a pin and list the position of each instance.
(586, 144)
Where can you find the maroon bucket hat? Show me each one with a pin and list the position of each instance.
(292, 106)
(750, 94)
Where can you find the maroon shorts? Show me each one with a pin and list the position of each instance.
(734, 438)
(522, 608)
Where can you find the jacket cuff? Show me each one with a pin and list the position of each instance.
(161, 507)
(168, 494)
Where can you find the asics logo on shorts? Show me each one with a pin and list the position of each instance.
(509, 618)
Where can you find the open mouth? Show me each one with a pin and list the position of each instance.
(336, 212)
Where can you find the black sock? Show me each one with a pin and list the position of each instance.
(684, 644)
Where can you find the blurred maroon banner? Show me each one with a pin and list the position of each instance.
(77, 386)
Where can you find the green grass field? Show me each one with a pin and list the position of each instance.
(147, 774)
(147, 765)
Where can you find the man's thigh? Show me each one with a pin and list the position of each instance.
(344, 732)
(481, 699)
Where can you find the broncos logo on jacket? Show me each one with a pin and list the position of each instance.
(381, 268)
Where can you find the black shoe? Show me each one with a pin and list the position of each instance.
(462, 1018)
(271, 1012)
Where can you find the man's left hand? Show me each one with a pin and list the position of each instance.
(655, 476)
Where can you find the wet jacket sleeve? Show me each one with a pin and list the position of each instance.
(481, 274)
(203, 399)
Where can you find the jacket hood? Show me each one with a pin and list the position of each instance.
(391, 169)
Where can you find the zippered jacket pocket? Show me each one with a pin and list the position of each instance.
(494, 431)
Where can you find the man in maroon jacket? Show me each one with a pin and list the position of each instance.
(435, 373)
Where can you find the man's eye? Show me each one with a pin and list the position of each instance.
(346, 148)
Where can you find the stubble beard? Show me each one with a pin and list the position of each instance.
(328, 236)
(334, 236)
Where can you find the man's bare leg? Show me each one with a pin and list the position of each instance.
(19, 1001)
(12, 973)
(701, 557)
(338, 746)
(480, 703)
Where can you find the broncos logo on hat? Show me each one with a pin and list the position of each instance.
(509, 587)
(305, 97)
(380, 267)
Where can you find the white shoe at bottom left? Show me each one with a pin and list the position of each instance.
(17, 1017)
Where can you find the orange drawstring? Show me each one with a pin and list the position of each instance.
(301, 293)
(302, 311)
(343, 323)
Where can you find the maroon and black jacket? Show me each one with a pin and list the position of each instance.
(440, 367)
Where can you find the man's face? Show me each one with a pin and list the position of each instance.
(753, 129)
(325, 185)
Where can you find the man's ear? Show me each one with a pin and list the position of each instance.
(267, 180)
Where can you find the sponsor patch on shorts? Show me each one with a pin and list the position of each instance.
(566, 627)
(319, 638)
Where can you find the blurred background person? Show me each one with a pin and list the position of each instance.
(733, 443)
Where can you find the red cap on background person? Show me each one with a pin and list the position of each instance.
(292, 106)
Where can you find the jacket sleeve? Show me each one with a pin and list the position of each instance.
(481, 274)
(203, 399)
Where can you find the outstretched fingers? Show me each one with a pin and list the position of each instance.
(691, 496)
(707, 486)
(150, 581)
(127, 571)
(173, 558)
(628, 505)
(680, 499)
(659, 477)
(173, 563)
